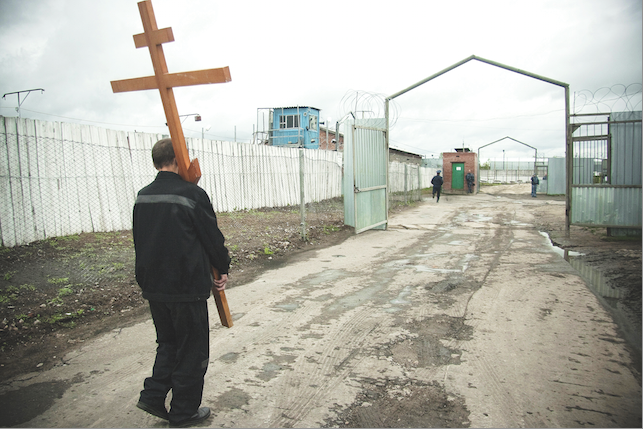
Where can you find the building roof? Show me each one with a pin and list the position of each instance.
(405, 152)
(297, 107)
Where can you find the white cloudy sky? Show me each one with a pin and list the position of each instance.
(336, 55)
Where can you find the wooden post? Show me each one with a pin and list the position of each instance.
(153, 38)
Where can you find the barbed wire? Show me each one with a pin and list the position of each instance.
(616, 98)
(365, 104)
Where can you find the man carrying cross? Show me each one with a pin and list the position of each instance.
(179, 247)
(176, 239)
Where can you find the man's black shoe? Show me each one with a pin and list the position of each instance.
(198, 417)
(159, 412)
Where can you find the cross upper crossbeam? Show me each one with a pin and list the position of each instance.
(153, 38)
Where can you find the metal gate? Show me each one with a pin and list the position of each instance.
(606, 171)
(365, 174)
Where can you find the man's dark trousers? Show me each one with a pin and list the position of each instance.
(182, 356)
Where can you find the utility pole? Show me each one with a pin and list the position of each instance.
(28, 91)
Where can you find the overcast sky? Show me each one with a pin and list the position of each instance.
(338, 56)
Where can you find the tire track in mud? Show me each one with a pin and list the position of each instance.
(337, 359)
(449, 276)
(486, 371)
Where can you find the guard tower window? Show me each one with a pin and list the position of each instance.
(312, 123)
(289, 121)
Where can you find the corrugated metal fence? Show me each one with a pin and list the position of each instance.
(60, 179)
(606, 171)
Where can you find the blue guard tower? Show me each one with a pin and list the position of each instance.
(294, 127)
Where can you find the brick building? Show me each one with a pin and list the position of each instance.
(403, 156)
(326, 143)
(455, 166)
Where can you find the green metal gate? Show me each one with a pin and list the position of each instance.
(365, 174)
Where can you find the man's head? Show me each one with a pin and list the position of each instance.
(163, 154)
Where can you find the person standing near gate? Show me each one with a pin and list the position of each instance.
(437, 184)
(470, 181)
(534, 185)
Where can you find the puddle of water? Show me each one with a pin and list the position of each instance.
(229, 357)
(607, 295)
(287, 307)
(465, 261)
(360, 297)
(562, 252)
(472, 218)
(397, 263)
(326, 276)
(401, 297)
(596, 281)
(425, 269)
(517, 223)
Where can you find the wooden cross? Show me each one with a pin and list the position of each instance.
(153, 38)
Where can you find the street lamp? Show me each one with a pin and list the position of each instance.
(203, 130)
(197, 117)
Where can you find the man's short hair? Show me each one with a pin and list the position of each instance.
(163, 153)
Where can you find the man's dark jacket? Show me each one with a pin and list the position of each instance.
(176, 238)
(437, 181)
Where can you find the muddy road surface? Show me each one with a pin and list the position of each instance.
(461, 314)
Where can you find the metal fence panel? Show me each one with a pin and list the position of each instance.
(626, 149)
(556, 177)
(607, 206)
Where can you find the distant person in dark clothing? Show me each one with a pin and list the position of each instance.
(534, 185)
(470, 181)
(176, 240)
(437, 184)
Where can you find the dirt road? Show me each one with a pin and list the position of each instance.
(461, 314)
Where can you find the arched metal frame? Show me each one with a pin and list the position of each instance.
(517, 141)
(515, 70)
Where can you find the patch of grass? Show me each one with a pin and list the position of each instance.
(55, 301)
(267, 251)
(66, 319)
(65, 291)
(74, 237)
(9, 275)
(327, 229)
(58, 280)
(58, 243)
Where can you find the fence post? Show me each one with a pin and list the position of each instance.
(406, 182)
(419, 198)
(302, 203)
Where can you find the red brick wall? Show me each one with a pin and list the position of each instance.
(329, 145)
(470, 160)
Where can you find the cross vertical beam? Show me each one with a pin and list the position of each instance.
(167, 94)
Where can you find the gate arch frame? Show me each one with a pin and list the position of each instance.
(564, 85)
